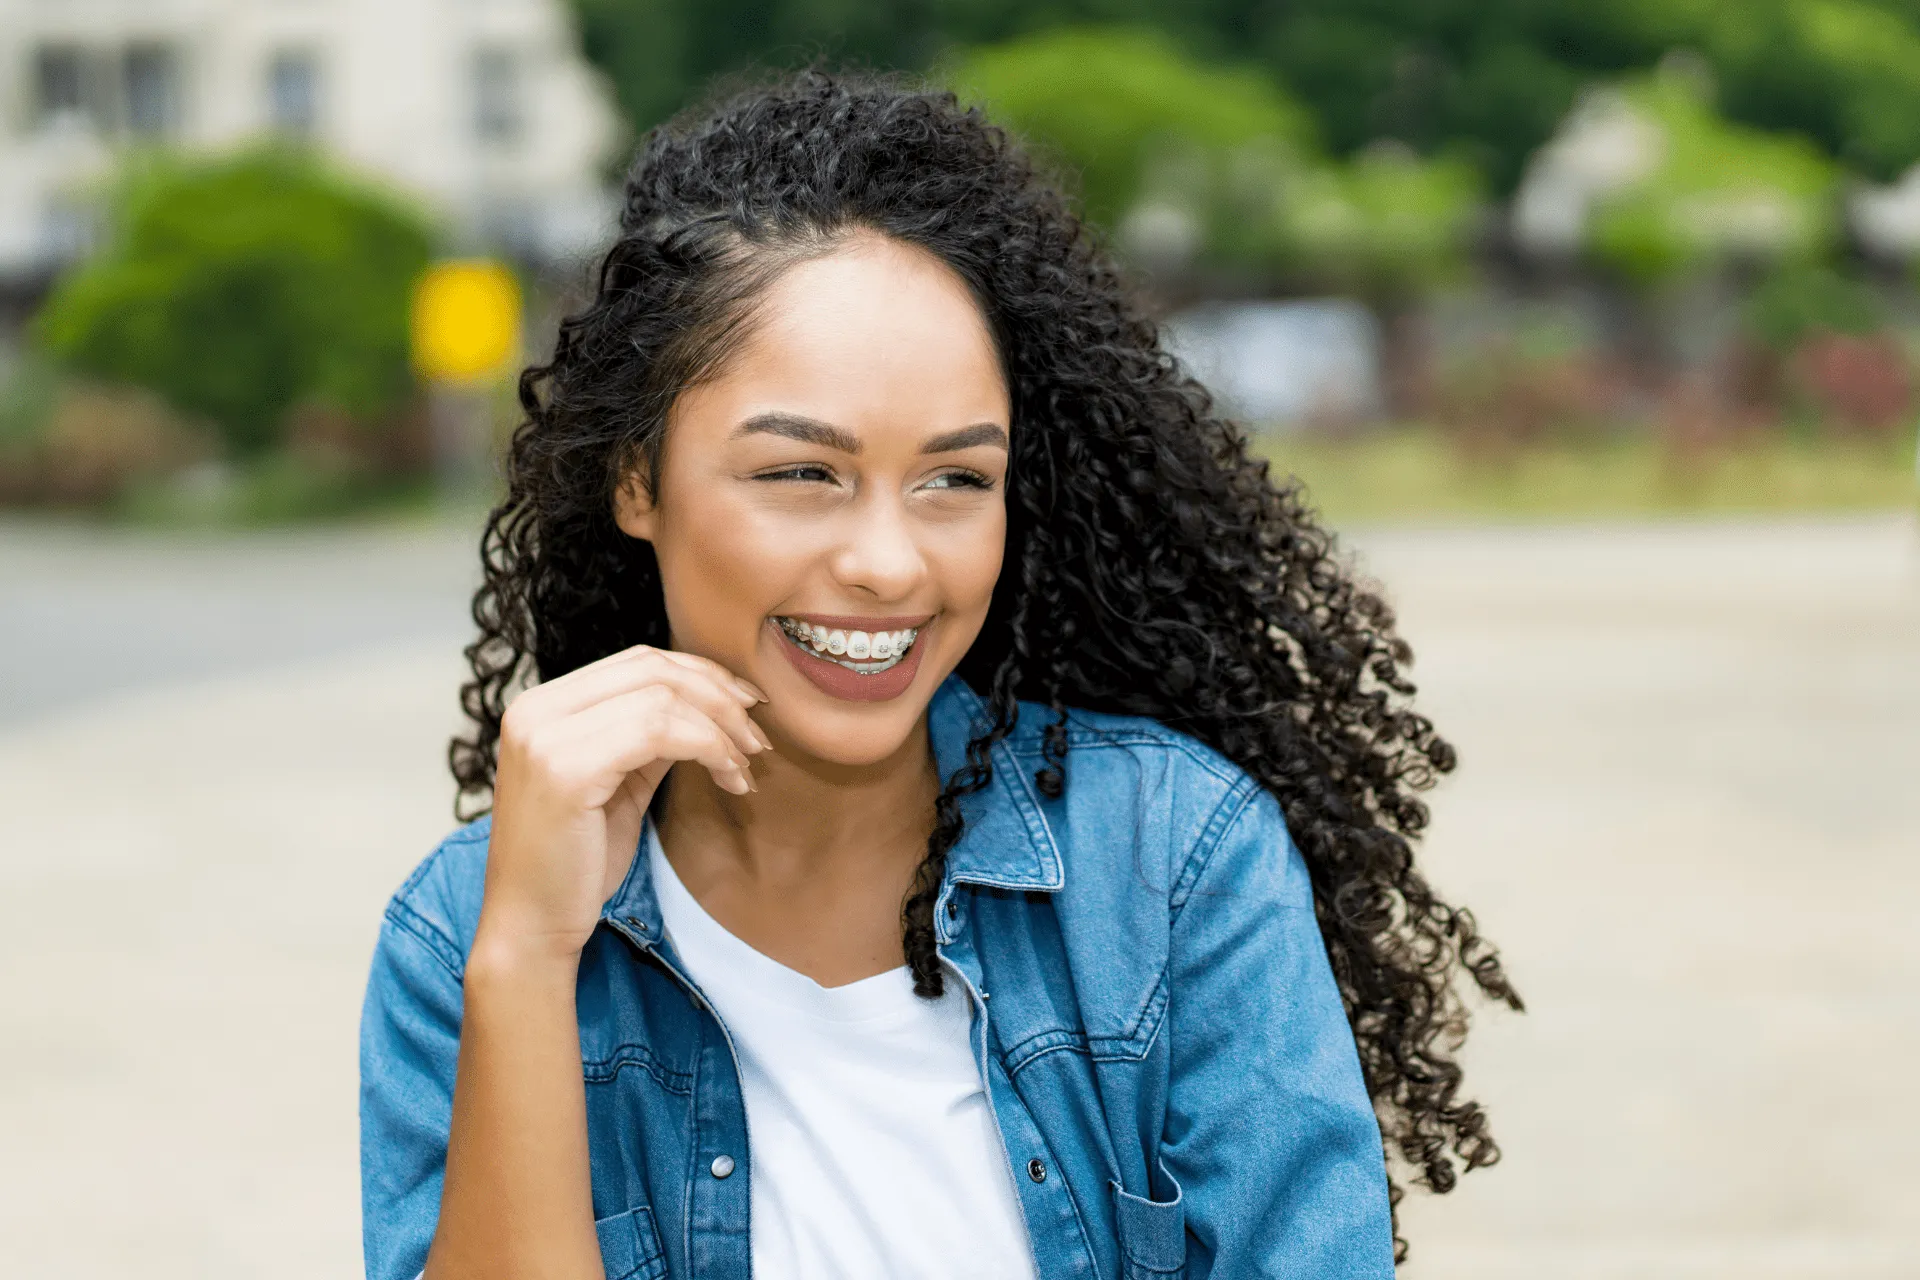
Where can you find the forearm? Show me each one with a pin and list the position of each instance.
(518, 1198)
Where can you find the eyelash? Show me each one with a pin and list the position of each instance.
(811, 471)
(967, 479)
(804, 471)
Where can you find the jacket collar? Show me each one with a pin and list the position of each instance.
(1007, 843)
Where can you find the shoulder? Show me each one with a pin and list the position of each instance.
(1139, 790)
(438, 906)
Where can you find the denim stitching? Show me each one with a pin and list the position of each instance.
(438, 944)
(633, 1055)
(1212, 836)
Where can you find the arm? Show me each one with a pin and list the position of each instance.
(580, 759)
(517, 1199)
(1270, 1133)
(429, 1019)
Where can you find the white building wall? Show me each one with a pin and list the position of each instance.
(397, 99)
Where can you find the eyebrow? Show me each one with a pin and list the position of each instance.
(812, 431)
(967, 437)
(795, 427)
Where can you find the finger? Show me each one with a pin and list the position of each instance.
(630, 731)
(615, 673)
(750, 693)
(700, 681)
(699, 686)
(696, 662)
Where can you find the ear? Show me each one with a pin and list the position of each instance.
(633, 508)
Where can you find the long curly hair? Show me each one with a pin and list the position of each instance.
(1153, 567)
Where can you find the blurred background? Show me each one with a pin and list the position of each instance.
(1593, 324)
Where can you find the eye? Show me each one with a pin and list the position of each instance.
(804, 472)
(959, 480)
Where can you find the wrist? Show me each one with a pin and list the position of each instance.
(501, 952)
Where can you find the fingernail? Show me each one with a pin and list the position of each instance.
(760, 735)
(750, 689)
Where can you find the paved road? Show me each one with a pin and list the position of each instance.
(1689, 756)
(86, 612)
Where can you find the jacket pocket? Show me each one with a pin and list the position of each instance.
(630, 1247)
(1153, 1236)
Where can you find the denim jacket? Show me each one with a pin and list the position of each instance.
(1154, 1017)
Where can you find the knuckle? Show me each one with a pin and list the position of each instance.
(517, 722)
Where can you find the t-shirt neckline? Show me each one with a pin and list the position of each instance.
(738, 971)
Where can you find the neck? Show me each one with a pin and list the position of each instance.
(811, 820)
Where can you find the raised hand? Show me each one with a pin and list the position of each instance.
(580, 759)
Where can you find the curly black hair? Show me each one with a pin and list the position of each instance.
(1153, 567)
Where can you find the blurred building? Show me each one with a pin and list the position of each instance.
(1284, 365)
(483, 109)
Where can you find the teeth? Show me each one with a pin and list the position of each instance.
(872, 651)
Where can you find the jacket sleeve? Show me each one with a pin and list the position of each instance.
(409, 1043)
(1270, 1136)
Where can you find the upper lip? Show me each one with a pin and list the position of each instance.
(846, 622)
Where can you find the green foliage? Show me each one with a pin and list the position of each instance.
(1152, 133)
(1718, 189)
(1843, 72)
(241, 287)
(1489, 79)
(1099, 101)
(1804, 298)
(1384, 223)
(29, 393)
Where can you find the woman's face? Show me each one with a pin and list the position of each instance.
(831, 513)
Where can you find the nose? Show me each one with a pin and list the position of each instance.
(879, 554)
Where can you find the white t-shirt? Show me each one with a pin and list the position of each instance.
(875, 1152)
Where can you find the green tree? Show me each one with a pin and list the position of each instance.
(1221, 167)
(1718, 190)
(1101, 101)
(238, 288)
(1486, 78)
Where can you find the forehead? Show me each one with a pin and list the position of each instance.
(875, 336)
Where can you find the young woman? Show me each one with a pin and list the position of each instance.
(954, 818)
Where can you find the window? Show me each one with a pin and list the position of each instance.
(497, 116)
(152, 90)
(293, 92)
(60, 83)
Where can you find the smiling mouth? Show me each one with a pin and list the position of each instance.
(865, 653)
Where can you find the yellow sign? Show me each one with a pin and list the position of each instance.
(466, 320)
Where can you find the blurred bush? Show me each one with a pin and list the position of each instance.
(1711, 191)
(1798, 299)
(1100, 100)
(1492, 79)
(239, 289)
(75, 443)
(1215, 171)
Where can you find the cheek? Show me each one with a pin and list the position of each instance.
(722, 567)
(969, 566)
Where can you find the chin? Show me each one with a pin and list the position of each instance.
(839, 716)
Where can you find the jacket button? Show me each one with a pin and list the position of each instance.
(1037, 1170)
(722, 1166)
(953, 909)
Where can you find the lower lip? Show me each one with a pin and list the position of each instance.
(836, 681)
